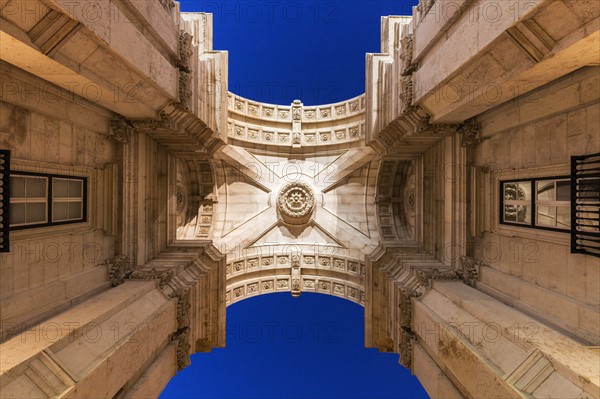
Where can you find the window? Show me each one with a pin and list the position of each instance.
(541, 203)
(41, 200)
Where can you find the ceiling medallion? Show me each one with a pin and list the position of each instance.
(296, 202)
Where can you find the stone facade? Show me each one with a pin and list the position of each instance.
(196, 198)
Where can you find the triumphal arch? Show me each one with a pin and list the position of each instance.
(456, 200)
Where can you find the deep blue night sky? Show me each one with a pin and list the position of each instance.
(311, 50)
(284, 347)
(312, 346)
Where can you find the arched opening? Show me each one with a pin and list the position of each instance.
(284, 347)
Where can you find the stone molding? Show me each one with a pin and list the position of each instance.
(413, 271)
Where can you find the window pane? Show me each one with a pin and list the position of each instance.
(75, 210)
(545, 190)
(35, 212)
(75, 188)
(546, 216)
(563, 190)
(35, 187)
(517, 191)
(60, 188)
(517, 214)
(17, 213)
(17, 187)
(60, 211)
(563, 217)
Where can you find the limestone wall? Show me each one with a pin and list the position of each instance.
(532, 269)
(52, 131)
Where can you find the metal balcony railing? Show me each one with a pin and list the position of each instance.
(585, 204)
(4, 198)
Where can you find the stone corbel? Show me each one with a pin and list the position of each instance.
(120, 129)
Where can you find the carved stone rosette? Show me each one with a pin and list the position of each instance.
(295, 202)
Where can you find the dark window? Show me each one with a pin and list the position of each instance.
(42, 200)
(543, 203)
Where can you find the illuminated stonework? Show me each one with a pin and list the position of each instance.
(296, 202)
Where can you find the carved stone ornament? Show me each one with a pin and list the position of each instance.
(183, 307)
(118, 269)
(407, 55)
(165, 276)
(470, 134)
(168, 5)
(180, 198)
(185, 90)
(424, 7)
(470, 270)
(183, 348)
(164, 122)
(425, 277)
(296, 202)
(185, 51)
(120, 129)
(425, 127)
(406, 96)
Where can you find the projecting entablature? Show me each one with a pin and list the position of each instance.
(255, 124)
